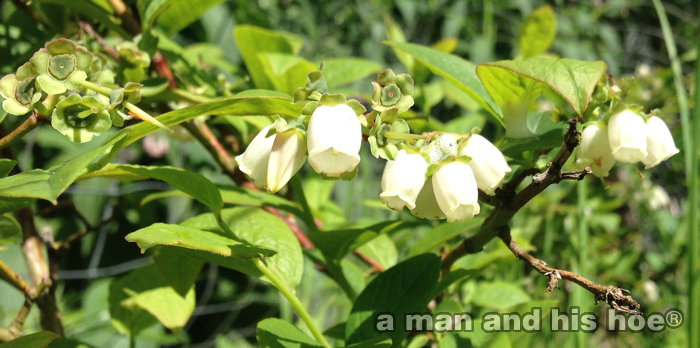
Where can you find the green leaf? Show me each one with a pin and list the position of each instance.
(286, 72)
(537, 32)
(454, 69)
(260, 228)
(252, 41)
(191, 183)
(341, 71)
(165, 304)
(36, 340)
(143, 297)
(195, 239)
(337, 244)
(182, 13)
(49, 184)
(545, 135)
(64, 343)
(6, 166)
(573, 80)
(91, 10)
(10, 230)
(249, 103)
(382, 341)
(404, 288)
(454, 277)
(441, 234)
(180, 270)
(382, 250)
(499, 295)
(277, 333)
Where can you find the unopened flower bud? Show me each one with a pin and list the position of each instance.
(456, 191)
(660, 145)
(627, 136)
(253, 162)
(595, 151)
(334, 137)
(403, 180)
(487, 162)
(287, 157)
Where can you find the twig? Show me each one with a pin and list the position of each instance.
(105, 46)
(14, 279)
(5, 336)
(509, 205)
(207, 138)
(40, 273)
(370, 261)
(32, 122)
(16, 327)
(613, 296)
(163, 69)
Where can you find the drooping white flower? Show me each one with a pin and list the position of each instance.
(334, 137)
(627, 136)
(403, 180)
(426, 204)
(660, 145)
(456, 191)
(595, 151)
(253, 162)
(488, 164)
(287, 157)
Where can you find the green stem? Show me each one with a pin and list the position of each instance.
(690, 131)
(694, 210)
(301, 197)
(190, 97)
(582, 191)
(46, 107)
(293, 300)
(97, 88)
(406, 136)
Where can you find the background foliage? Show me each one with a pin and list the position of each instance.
(629, 233)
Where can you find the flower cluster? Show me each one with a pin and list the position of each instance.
(443, 180)
(328, 133)
(69, 84)
(628, 137)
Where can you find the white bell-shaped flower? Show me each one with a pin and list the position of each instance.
(253, 162)
(660, 145)
(456, 191)
(334, 137)
(627, 136)
(287, 157)
(403, 180)
(488, 164)
(594, 150)
(426, 204)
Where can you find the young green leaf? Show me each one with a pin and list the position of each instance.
(456, 70)
(36, 340)
(277, 333)
(537, 32)
(573, 80)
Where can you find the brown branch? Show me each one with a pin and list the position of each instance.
(301, 236)
(613, 296)
(163, 69)
(95, 36)
(5, 335)
(32, 122)
(40, 273)
(502, 214)
(212, 144)
(370, 261)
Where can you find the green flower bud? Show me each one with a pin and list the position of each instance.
(133, 61)
(20, 91)
(130, 93)
(61, 66)
(392, 91)
(81, 118)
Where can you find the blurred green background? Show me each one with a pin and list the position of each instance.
(626, 231)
